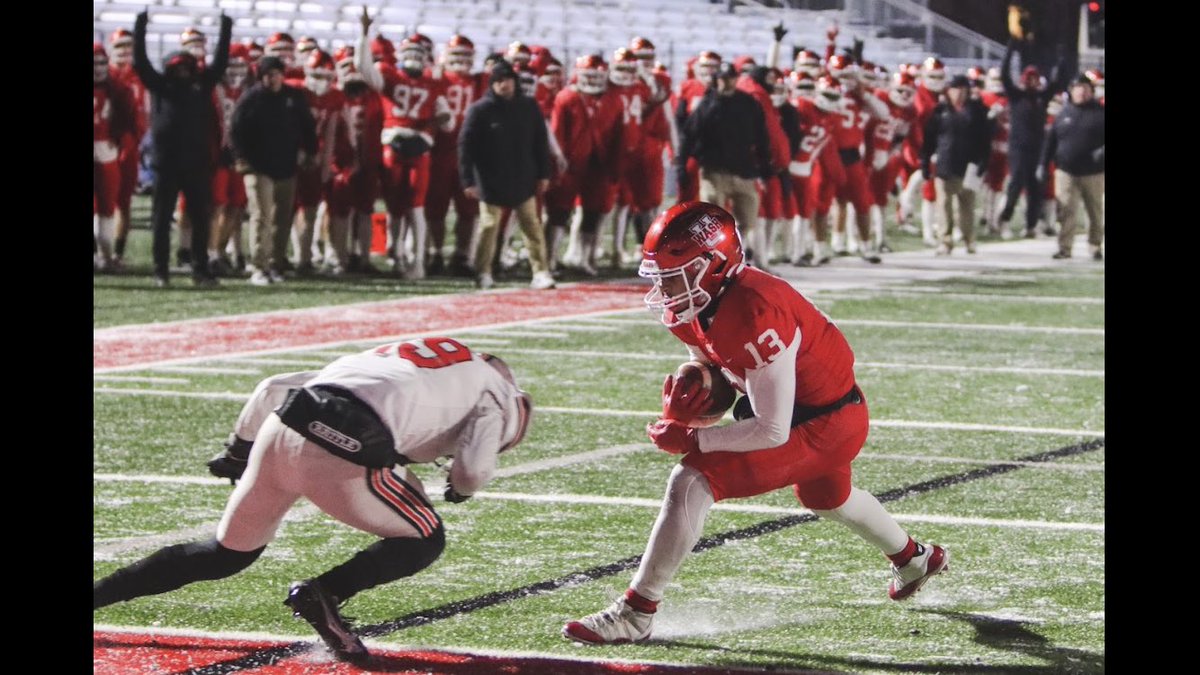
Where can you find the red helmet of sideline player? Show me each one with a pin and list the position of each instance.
(121, 44)
(318, 71)
(591, 73)
(624, 68)
(933, 74)
(691, 253)
(459, 54)
(903, 90)
(99, 63)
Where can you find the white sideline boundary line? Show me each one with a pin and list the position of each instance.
(261, 361)
(317, 346)
(385, 648)
(207, 370)
(650, 414)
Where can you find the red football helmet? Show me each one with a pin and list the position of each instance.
(624, 68)
(706, 65)
(992, 81)
(843, 68)
(829, 94)
(903, 90)
(239, 65)
(283, 47)
(552, 74)
(383, 50)
(518, 52)
(591, 74)
(254, 49)
(411, 54)
(426, 43)
(318, 71)
(692, 252)
(121, 43)
(1031, 79)
(933, 74)
(809, 63)
(347, 69)
(1097, 78)
(744, 64)
(977, 76)
(910, 68)
(642, 48)
(192, 41)
(459, 54)
(304, 47)
(99, 63)
(802, 84)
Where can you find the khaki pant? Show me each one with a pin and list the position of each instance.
(1068, 191)
(717, 187)
(271, 204)
(947, 189)
(531, 230)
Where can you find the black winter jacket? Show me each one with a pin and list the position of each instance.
(1076, 140)
(727, 134)
(503, 149)
(270, 128)
(958, 137)
(182, 125)
(1027, 109)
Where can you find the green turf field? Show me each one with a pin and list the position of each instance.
(1025, 593)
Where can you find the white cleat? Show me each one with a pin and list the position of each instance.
(618, 624)
(909, 579)
(542, 281)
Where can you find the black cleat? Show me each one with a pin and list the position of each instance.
(231, 463)
(314, 604)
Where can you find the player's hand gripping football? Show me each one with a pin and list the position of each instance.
(684, 401)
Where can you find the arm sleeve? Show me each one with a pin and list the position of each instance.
(366, 66)
(762, 141)
(475, 461)
(267, 396)
(1050, 145)
(466, 140)
(929, 144)
(772, 392)
(214, 73)
(150, 77)
(240, 134)
(1010, 88)
(308, 125)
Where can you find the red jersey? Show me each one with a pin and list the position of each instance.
(608, 123)
(127, 76)
(756, 319)
(112, 113)
(897, 128)
(411, 102)
(363, 117)
(692, 91)
(460, 91)
(851, 133)
(545, 98)
(1001, 126)
(635, 101)
(816, 130)
(571, 122)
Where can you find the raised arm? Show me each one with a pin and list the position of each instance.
(1010, 87)
(366, 65)
(213, 74)
(151, 78)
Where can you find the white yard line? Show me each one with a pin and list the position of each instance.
(106, 550)
(308, 364)
(549, 335)
(143, 380)
(1005, 328)
(650, 414)
(207, 370)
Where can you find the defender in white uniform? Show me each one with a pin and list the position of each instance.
(341, 437)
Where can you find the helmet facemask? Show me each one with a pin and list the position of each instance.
(678, 291)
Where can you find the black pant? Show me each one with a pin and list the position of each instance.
(1022, 169)
(196, 185)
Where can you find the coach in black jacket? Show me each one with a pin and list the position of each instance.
(184, 158)
(504, 161)
(1076, 144)
(727, 134)
(272, 129)
(1027, 103)
(959, 133)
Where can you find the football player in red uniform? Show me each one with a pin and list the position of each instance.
(632, 190)
(355, 186)
(827, 169)
(929, 91)
(228, 187)
(801, 424)
(283, 47)
(120, 68)
(997, 169)
(858, 107)
(888, 136)
(461, 87)
(414, 108)
(113, 119)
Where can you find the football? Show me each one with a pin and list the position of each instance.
(711, 378)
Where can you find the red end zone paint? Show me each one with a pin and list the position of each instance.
(147, 344)
(120, 653)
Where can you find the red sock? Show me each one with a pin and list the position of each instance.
(906, 554)
(639, 603)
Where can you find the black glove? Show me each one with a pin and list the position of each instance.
(452, 495)
(779, 31)
(231, 463)
(226, 20)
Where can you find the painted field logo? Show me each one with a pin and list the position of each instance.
(706, 231)
(334, 436)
